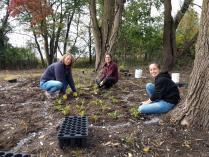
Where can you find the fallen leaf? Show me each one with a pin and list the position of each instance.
(41, 137)
(108, 143)
(115, 144)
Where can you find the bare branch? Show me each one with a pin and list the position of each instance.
(181, 12)
(196, 5)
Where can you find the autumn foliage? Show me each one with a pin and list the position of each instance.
(38, 9)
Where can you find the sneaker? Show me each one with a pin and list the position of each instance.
(51, 95)
(48, 95)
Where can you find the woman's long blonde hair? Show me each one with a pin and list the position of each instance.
(65, 55)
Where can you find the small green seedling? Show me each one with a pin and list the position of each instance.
(66, 110)
(58, 107)
(95, 89)
(81, 108)
(114, 115)
(65, 97)
(134, 112)
(95, 117)
(129, 139)
(68, 90)
(114, 100)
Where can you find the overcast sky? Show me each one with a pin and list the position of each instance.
(20, 40)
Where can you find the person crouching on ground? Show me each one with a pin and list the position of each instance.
(164, 93)
(58, 76)
(109, 75)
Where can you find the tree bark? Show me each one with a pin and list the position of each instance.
(169, 36)
(169, 42)
(195, 107)
(38, 48)
(4, 27)
(106, 34)
(69, 21)
(90, 43)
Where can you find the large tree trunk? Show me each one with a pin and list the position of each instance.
(169, 36)
(195, 107)
(106, 34)
(169, 42)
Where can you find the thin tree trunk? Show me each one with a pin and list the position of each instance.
(77, 30)
(44, 30)
(195, 107)
(90, 43)
(69, 21)
(39, 49)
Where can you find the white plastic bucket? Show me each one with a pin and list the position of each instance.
(138, 73)
(175, 77)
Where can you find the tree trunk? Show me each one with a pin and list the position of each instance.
(195, 107)
(4, 29)
(169, 36)
(39, 48)
(169, 42)
(90, 43)
(69, 21)
(106, 34)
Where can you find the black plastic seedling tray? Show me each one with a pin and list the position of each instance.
(73, 132)
(8, 154)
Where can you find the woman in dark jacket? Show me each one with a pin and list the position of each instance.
(58, 76)
(109, 75)
(164, 94)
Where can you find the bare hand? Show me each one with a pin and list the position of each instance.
(101, 83)
(147, 102)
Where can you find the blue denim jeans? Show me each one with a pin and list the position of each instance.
(52, 86)
(159, 106)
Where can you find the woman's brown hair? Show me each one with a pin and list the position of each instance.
(157, 64)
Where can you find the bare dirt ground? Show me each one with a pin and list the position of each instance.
(29, 122)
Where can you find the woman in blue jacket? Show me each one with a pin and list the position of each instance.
(164, 93)
(58, 76)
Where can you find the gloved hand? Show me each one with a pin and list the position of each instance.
(101, 83)
(75, 94)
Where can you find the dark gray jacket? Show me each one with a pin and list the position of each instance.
(58, 71)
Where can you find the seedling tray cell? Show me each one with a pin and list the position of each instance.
(73, 132)
(9, 154)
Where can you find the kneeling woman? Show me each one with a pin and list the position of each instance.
(58, 76)
(109, 75)
(164, 93)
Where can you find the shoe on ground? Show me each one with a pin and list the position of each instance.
(51, 95)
